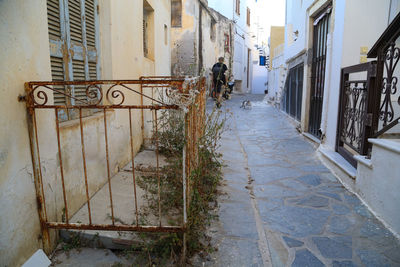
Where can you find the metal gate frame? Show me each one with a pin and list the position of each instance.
(356, 109)
(38, 95)
(293, 92)
(321, 29)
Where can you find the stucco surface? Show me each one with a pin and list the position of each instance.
(25, 57)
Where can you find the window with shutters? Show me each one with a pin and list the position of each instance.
(213, 30)
(226, 43)
(176, 13)
(237, 7)
(248, 17)
(148, 30)
(73, 35)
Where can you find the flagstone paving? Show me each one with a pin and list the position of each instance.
(273, 176)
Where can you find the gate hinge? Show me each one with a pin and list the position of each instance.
(368, 119)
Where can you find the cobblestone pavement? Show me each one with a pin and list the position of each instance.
(282, 207)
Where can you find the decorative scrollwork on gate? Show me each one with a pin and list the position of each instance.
(354, 115)
(389, 84)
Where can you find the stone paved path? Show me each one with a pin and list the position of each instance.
(282, 207)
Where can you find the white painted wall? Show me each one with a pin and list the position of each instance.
(296, 20)
(260, 78)
(379, 182)
(276, 78)
(353, 24)
(346, 40)
(25, 56)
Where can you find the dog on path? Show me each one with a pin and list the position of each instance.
(246, 104)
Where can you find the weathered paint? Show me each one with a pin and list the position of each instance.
(194, 48)
(242, 38)
(26, 57)
(24, 42)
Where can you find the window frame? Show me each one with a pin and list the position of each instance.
(176, 13)
(237, 8)
(226, 43)
(148, 31)
(69, 51)
(248, 16)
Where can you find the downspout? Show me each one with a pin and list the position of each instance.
(231, 50)
(200, 46)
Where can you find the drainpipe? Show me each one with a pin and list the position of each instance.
(200, 46)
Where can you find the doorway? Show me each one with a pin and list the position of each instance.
(321, 29)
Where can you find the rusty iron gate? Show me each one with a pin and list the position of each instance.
(321, 29)
(133, 103)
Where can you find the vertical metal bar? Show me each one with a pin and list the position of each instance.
(84, 165)
(193, 136)
(133, 166)
(184, 177)
(187, 161)
(152, 102)
(142, 111)
(158, 169)
(33, 144)
(61, 165)
(39, 164)
(108, 166)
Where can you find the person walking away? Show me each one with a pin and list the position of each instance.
(219, 79)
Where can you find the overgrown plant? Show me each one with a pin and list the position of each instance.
(203, 181)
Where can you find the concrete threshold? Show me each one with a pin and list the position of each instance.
(122, 189)
(311, 138)
(339, 161)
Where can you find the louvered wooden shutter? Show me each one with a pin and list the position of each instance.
(56, 59)
(75, 22)
(90, 24)
(90, 11)
(73, 36)
(53, 14)
(78, 68)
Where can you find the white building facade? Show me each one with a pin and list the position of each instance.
(334, 104)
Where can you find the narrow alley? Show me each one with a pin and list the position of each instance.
(282, 207)
(200, 133)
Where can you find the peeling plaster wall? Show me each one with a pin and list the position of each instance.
(184, 53)
(347, 24)
(213, 48)
(185, 40)
(25, 57)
